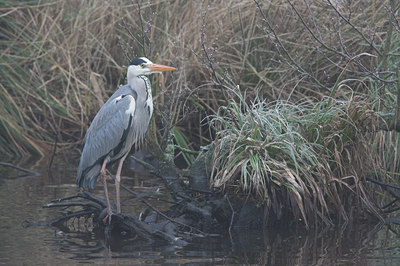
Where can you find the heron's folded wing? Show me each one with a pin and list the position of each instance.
(108, 129)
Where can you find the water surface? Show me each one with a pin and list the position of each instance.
(22, 198)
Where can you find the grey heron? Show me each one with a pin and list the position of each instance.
(121, 123)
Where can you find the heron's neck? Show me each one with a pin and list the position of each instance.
(142, 86)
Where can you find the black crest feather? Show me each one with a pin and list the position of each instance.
(137, 62)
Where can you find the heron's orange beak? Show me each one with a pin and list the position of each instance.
(156, 67)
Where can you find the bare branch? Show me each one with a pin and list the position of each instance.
(287, 54)
(355, 28)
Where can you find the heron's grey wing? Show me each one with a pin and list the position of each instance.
(108, 129)
(122, 90)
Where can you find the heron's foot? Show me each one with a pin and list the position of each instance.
(109, 219)
(108, 216)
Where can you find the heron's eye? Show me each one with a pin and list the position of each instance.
(142, 65)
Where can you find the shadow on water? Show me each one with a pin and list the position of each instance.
(22, 198)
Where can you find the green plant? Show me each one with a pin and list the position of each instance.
(293, 156)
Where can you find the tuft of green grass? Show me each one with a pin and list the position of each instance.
(300, 158)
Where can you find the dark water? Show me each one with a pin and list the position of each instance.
(22, 198)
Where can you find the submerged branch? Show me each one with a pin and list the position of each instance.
(30, 172)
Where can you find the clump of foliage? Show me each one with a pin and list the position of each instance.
(303, 158)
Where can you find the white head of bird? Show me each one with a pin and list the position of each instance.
(143, 66)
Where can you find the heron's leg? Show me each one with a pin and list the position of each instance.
(118, 180)
(104, 176)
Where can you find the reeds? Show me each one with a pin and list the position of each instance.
(50, 85)
(62, 59)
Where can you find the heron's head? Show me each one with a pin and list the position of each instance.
(143, 66)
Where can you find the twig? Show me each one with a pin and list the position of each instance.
(388, 187)
(100, 203)
(389, 204)
(142, 27)
(286, 52)
(210, 66)
(123, 49)
(151, 168)
(144, 35)
(392, 210)
(54, 152)
(66, 198)
(382, 183)
(354, 27)
(73, 203)
(203, 46)
(232, 218)
(68, 216)
(319, 40)
(89, 196)
(137, 195)
(31, 172)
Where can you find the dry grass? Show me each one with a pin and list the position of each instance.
(61, 60)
